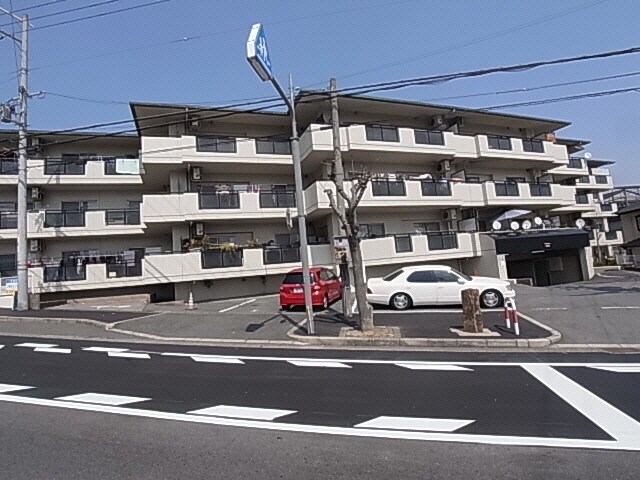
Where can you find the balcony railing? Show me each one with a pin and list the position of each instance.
(540, 189)
(64, 167)
(281, 255)
(276, 199)
(65, 273)
(507, 189)
(218, 200)
(575, 163)
(442, 240)
(122, 217)
(8, 220)
(532, 145)
(611, 235)
(606, 207)
(496, 142)
(403, 243)
(582, 199)
(124, 269)
(435, 189)
(602, 179)
(8, 166)
(64, 219)
(221, 258)
(388, 188)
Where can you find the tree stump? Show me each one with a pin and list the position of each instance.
(471, 309)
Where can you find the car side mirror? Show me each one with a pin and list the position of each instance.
(461, 281)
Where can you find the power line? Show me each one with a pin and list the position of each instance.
(71, 10)
(532, 89)
(46, 4)
(604, 93)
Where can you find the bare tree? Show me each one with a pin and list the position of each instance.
(349, 223)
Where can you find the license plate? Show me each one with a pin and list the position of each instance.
(297, 290)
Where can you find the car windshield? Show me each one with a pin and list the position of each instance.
(392, 275)
(463, 275)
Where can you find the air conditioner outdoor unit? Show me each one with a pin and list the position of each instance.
(196, 173)
(438, 121)
(450, 214)
(36, 193)
(34, 245)
(198, 229)
(444, 166)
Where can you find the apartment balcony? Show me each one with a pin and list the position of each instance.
(192, 206)
(523, 151)
(191, 149)
(582, 203)
(382, 194)
(603, 210)
(528, 194)
(599, 179)
(401, 144)
(576, 167)
(613, 237)
(56, 223)
(413, 248)
(51, 172)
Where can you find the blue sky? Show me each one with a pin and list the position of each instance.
(136, 55)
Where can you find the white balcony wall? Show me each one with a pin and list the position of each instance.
(593, 185)
(599, 212)
(555, 154)
(604, 241)
(96, 278)
(561, 195)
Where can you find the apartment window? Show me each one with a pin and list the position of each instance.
(403, 243)
(472, 179)
(436, 189)
(611, 235)
(382, 133)
(583, 179)
(67, 164)
(8, 265)
(540, 189)
(237, 238)
(638, 222)
(425, 227)
(575, 162)
(428, 137)
(8, 166)
(532, 145)
(507, 189)
(602, 179)
(388, 188)
(582, 198)
(497, 142)
(273, 146)
(442, 240)
(606, 207)
(218, 144)
(371, 230)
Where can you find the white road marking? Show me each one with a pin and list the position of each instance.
(416, 423)
(7, 387)
(616, 423)
(52, 350)
(550, 309)
(100, 307)
(342, 431)
(36, 345)
(236, 306)
(317, 363)
(216, 359)
(608, 276)
(104, 349)
(102, 399)
(249, 413)
(129, 355)
(423, 366)
(629, 307)
(620, 369)
(1, 347)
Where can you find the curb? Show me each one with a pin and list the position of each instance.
(465, 343)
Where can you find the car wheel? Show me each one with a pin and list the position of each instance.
(401, 301)
(491, 299)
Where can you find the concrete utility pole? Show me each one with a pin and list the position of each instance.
(338, 171)
(23, 96)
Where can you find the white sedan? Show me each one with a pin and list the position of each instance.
(434, 285)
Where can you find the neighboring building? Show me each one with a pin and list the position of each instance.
(630, 220)
(206, 206)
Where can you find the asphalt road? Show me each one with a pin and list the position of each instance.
(71, 409)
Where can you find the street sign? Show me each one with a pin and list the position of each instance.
(258, 53)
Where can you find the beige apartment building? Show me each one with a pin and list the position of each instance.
(200, 198)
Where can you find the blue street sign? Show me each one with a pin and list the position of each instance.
(258, 53)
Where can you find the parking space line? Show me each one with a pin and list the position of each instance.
(629, 307)
(236, 306)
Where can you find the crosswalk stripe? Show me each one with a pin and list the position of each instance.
(104, 349)
(102, 399)
(317, 363)
(249, 413)
(129, 355)
(431, 366)
(416, 423)
(216, 359)
(52, 350)
(7, 387)
(36, 345)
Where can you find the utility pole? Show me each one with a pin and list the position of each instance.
(338, 171)
(23, 96)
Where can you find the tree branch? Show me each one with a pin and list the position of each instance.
(339, 188)
(343, 220)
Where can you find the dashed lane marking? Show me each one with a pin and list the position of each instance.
(620, 368)
(6, 388)
(247, 413)
(104, 349)
(233, 307)
(216, 359)
(425, 366)
(416, 423)
(102, 399)
(549, 309)
(623, 307)
(36, 345)
(52, 350)
(145, 356)
(318, 363)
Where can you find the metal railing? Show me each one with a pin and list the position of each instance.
(55, 218)
(276, 199)
(403, 243)
(442, 240)
(540, 189)
(124, 269)
(628, 260)
(507, 189)
(127, 216)
(606, 207)
(497, 142)
(388, 188)
(64, 167)
(221, 258)
(575, 163)
(611, 235)
(8, 166)
(532, 145)
(53, 273)
(281, 255)
(8, 220)
(218, 200)
(435, 188)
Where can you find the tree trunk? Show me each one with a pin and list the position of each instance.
(472, 313)
(366, 312)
